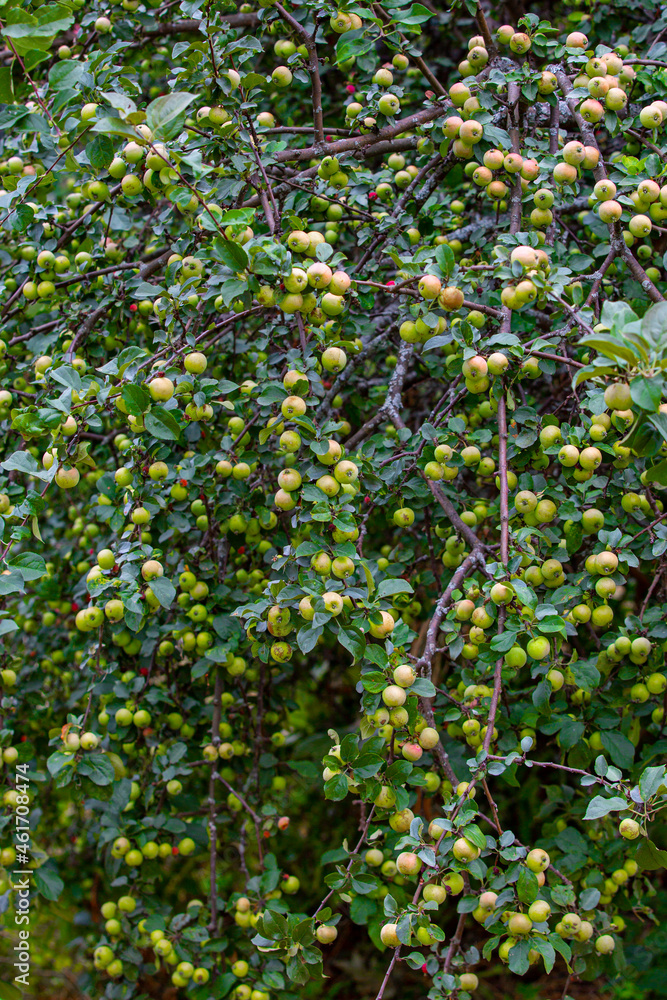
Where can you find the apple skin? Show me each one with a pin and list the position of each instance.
(161, 389)
(326, 934)
(463, 850)
(629, 829)
(537, 860)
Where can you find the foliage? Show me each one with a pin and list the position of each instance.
(334, 436)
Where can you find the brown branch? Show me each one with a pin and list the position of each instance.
(362, 142)
(313, 70)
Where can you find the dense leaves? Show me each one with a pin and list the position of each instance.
(334, 445)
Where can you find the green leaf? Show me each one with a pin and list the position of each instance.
(586, 675)
(658, 473)
(498, 136)
(611, 347)
(232, 255)
(30, 565)
(161, 424)
(97, 767)
(336, 788)
(353, 640)
(650, 781)
(649, 857)
(527, 886)
(164, 590)
(518, 958)
(659, 421)
(22, 461)
(109, 125)
(48, 882)
(445, 259)
(571, 732)
(619, 747)
(66, 75)
(601, 806)
(238, 216)
(163, 113)
(6, 97)
(525, 593)
(353, 43)
(7, 625)
(647, 392)
(374, 681)
(424, 688)
(45, 30)
(9, 992)
(473, 833)
(11, 582)
(654, 323)
(135, 398)
(100, 152)
(546, 951)
(388, 588)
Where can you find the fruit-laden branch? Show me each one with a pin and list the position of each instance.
(212, 825)
(313, 70)
(459, 526)
(191, 26)
(417, 60)
(361, 142)
(423, 666)
(618, 244)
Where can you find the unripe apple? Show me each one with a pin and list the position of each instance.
(605, 944)
(434, 893)
(408, 863)
(429, 286)
(326, 934)
(393, 696)
(384, 628)
(281, 76)
(334, 359)
(464, 850)
(539, 911)
(389, 104)
(389, 937)
(629, 829)
(537, 860)
(615, 99)
(67, 478)
(520, 43)
(404, 675)
(454, 883)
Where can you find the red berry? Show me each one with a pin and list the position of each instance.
(241, 550)
(390, 284)
(367, 500)
(144, 671)
(23, 739)
(75, 606)
(174, 851)
(183, 482)
(133, 307)
(350, 88)
(372, 195)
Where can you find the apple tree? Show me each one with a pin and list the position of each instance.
(333, 543)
